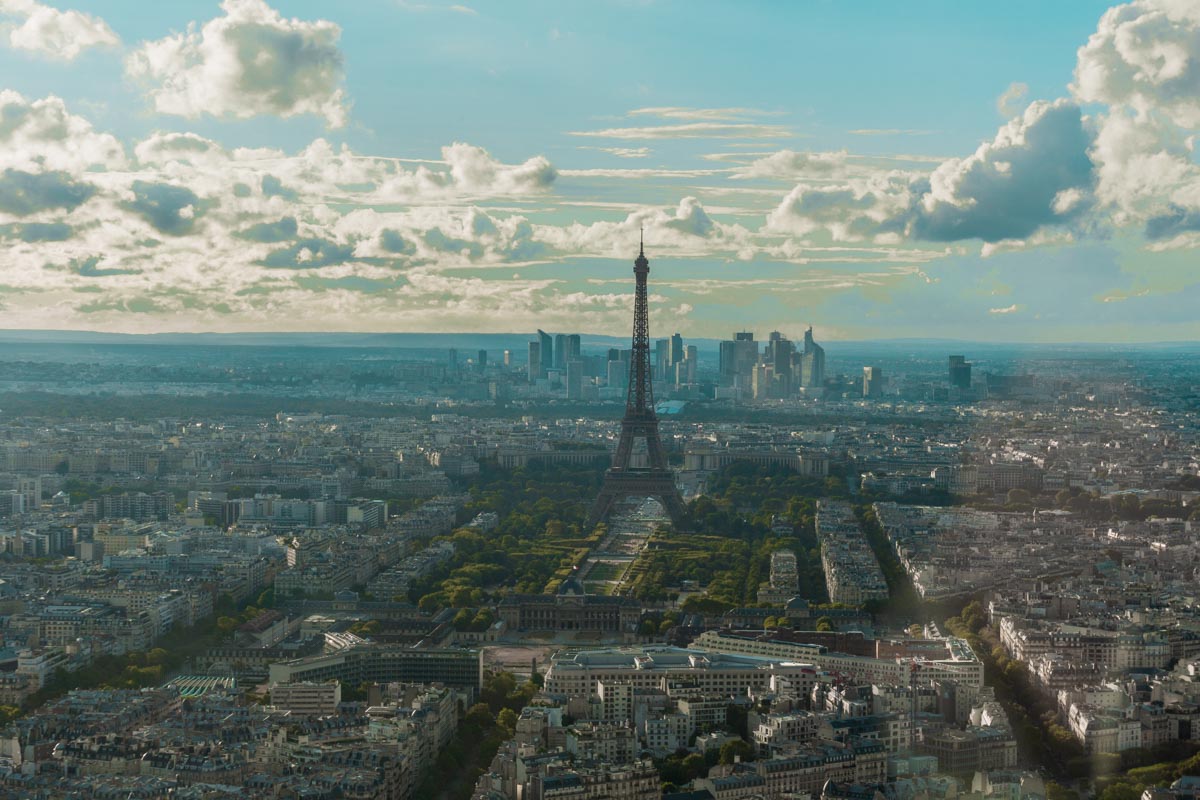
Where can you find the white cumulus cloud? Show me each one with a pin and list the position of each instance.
(42, 135)
(1144, 55)
(1009, 101)
(1035, 173)
(794, 165)
(250, 61)
(54, 33)
(1143, 62)
(686, 230)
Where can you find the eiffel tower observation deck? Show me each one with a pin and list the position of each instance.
(623, 480)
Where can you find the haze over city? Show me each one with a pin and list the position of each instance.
(1012, 172)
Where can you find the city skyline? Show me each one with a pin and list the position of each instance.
(1011, 174)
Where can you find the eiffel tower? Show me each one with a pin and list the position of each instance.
(622, 479)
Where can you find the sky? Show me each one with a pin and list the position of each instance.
(1018, 171)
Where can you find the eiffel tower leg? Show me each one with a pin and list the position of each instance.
(673, 504)
(654, 449)
(601, 509)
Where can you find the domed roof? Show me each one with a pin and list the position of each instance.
(571, 585)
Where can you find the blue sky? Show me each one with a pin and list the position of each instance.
(1019, 172)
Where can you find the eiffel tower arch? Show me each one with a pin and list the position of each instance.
(622, 479)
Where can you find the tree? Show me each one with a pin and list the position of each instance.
(824, 624)
(431, 602)
(736, 750)
(365, 628)
(1059, 792)
(462, 596)
(1121, 791)
(507, 719)
(356, 693)
(479, 715)
(973, 616)
(1019, 497)
(694, 766)
(498, 688)
(225, 604)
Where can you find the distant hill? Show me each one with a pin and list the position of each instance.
(517, 342)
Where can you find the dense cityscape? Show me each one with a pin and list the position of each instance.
(904, 581)
(620, 400)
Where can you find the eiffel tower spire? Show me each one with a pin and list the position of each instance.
(656, 479)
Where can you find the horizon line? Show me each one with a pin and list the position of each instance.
(902, 339)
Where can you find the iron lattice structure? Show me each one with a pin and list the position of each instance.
(656, 479)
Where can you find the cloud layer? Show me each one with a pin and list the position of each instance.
(181, 229)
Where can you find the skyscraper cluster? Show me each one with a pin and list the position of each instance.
(674, 363)
(780, 370)
(548, 353)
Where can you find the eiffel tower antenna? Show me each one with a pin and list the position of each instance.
(640, 422)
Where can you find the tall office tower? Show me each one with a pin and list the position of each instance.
(614, 354)
(481, 360)
(687, 368)
(560, 350)
(618, 373)
(574, 379)
(745, 357)
(782, 351)
(960, 372)
(535, 361)
(662, 359)
(452, 358)
(762, 378)
(812, 362)
(727, 362)
(508, 358)
(547, 344)
(574, 346)
(872, 381)
(676, 349)
(622, 479)
(768, 354)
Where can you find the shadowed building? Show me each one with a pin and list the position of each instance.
(571, 609)
(812, 362)
(872, 382)
(960, 372)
